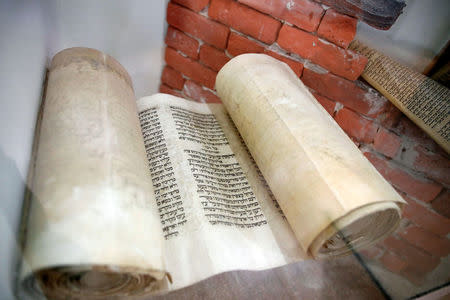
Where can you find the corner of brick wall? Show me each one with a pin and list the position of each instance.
(203, 35)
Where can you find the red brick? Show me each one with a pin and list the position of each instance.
(212, 57)
(325, 102)
(296, 66)
(354, 125)
(442, 204)
(418, 260)
(345, 63)
(196, 92)
(178, 40)
(168, 90)
(195, 5)
(387, 143)
(358, 97)
(197, 25)
(238, 44)
(338, 29)
(172, 78)
(434, 165)
(413, 275)
(431, 243)
(407, 129)
(373, 252)
(302, 13)
(391, 115)
(190, 68)
(425, 218)
(392, 262)
(245, 20)
(418, 188)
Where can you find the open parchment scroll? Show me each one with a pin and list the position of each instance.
(425, 101)
(137, 198)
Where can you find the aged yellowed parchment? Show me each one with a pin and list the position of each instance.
(425, 101)
(331, 195)
(135, 198)
(216, 212)
(93, 226)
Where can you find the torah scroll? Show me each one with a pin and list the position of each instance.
(118, 204)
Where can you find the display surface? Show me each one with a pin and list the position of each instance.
(117, 206)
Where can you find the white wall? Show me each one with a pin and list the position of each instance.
(131, 31)
(22, 58)
(31, 33)
(416, 37)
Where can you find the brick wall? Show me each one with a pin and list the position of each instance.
(204, 34)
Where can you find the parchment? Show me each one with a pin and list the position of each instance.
(425, 101)
(93, 228)
(200, 249)
(333, 198)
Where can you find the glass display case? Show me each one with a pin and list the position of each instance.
(308, 158)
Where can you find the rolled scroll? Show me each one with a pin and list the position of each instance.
(333, 198)
(93, 228)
